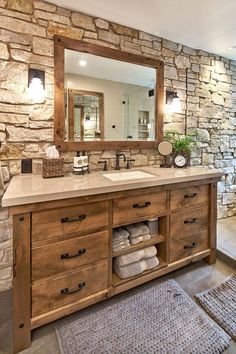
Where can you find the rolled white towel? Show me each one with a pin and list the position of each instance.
(120, 247)
(136, 240)
(119, 234)
(143, 229)
(124, 242)
(133, 230)
(136, 256)
(129, 270)
(136, 268)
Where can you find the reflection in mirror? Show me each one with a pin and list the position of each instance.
(85, 111)
(107, 99)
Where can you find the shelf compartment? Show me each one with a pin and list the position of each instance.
(116, 280)
(153, 241)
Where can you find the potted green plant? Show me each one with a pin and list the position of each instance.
(182, 146)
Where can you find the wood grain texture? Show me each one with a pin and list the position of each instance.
(61, 43)
(51, 238)
(21, 282)
(63, 256)
(68, 309)
(183, 224)
(48, 223)
(47, 295)
(181, 248)
(189, 196)
(211, 259)
(124, 210)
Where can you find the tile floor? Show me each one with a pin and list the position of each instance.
(226, 237)
(193, 278)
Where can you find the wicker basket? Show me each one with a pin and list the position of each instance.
(53, 168)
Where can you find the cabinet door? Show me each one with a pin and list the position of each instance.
(191, 196)
(188, 222)
(54, 258)
(129, 209)
(68, 220)
(188, 246)
(66, 289)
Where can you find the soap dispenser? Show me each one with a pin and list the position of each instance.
(85, 162)
(78, 164)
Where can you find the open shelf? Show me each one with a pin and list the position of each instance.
(116, 280)
(153, 241)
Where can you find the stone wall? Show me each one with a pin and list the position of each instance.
(206, 85)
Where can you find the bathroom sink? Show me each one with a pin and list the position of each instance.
(125, 176)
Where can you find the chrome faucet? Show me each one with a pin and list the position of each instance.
(118, 155)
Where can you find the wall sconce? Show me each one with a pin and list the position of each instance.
(36, 84)
(172, 102)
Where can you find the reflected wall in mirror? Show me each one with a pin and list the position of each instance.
(128, 92)
(105, 98)
(84, 115)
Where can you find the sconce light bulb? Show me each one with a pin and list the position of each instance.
(36, 90)
(82, 62)
(175, 105)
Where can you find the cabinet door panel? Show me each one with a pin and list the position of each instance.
(67, 255)
(130, 209)
(188, 222)
(71, 287)
(188, 197)
(63, 221)
(187, 246)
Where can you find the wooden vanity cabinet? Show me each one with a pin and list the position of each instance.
(63, 249)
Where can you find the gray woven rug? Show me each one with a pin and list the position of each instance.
(220, 303)
(161, 319)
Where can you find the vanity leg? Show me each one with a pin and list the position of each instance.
(211, 259)
(21, 283)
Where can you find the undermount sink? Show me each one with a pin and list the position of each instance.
(123, 176)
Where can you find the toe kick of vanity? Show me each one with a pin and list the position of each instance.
(64, 254)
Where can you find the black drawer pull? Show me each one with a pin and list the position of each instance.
(67, 256)
(190, 195)
(191, 221)
(140, 206)
(67, 291)
(193, 245)
(79, 218)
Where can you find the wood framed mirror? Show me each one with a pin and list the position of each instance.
(106, 99)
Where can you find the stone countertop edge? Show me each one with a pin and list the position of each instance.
(29, 189)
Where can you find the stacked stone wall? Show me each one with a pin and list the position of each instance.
(205, 83)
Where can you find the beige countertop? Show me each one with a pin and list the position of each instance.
(32, 188)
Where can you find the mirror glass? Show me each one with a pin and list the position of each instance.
(165, 147)
(107, 99)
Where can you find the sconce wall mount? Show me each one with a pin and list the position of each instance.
(36, 84)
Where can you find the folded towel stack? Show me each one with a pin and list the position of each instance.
(120, 239)
(134, 263)
(138, 232)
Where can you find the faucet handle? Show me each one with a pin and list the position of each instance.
(105, 168)
(129, 163)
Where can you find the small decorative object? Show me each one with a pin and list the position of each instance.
(180, 159)
(81, 164)
(52, 164)
(182, 147)
(165, 148)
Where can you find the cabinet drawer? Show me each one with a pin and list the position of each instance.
(130, 209)
(187, 246)
(190, 196)
(68, 255)
(62, 221)
(188, 222)
(63, 290)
